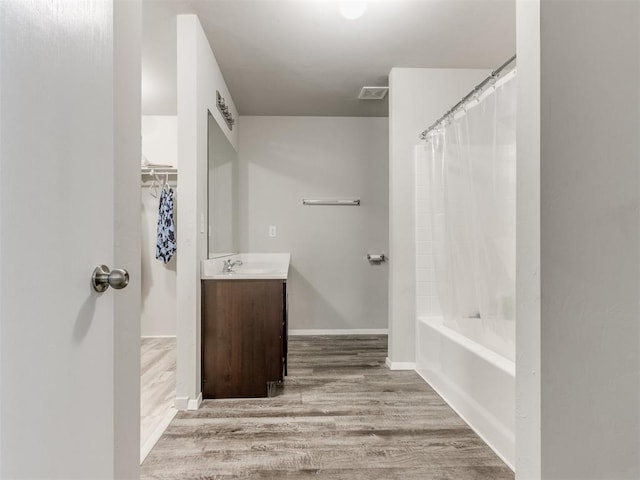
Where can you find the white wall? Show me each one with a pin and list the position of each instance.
(578, 412)
(159, 280)
(198, 79)
(590, 250)
(417, 97)
(528, 242)
(427, 300)
(160, 139)
(285, 159)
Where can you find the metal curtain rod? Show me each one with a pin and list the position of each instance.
(478, 88)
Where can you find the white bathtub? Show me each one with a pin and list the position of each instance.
(476, 382)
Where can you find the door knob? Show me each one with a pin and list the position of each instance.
(104, 278)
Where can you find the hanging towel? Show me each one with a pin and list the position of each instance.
(166, 245)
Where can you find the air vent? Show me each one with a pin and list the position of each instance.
(373, 93)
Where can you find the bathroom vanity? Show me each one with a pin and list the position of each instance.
(244, 325)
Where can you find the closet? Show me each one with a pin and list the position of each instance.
(158, 178)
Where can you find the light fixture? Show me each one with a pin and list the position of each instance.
(224, 110)
(352, 10)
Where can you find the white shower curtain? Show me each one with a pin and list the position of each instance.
(472, 168)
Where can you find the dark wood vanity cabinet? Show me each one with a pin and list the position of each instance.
(244, 337)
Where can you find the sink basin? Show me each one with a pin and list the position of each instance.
(261, 266)
(253, 271)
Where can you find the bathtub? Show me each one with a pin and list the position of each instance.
(476, 382)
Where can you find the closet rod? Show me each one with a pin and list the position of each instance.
(490, 79)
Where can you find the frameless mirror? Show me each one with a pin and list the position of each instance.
(222, 191)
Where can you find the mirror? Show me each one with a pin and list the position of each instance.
(222, 191)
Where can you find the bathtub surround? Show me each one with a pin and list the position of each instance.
(283, 160)
(470, 193)
(417, 98)
(199, 77)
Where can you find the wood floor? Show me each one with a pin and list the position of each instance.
(341, 414)
(158, 389)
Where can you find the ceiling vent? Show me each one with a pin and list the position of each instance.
(373, 93)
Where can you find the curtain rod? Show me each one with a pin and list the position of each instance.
(478, 88)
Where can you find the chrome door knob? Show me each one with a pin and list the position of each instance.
(104, 278)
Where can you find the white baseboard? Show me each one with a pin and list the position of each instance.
(342, 331)
(400, 365)
(157, 336)
(181, 403)
(188, 403)
(195, 403)
(156, 434)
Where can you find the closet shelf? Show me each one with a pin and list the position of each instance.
(156, 170)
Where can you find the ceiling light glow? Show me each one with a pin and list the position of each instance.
(352, 10)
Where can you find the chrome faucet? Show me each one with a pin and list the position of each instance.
(227, 266)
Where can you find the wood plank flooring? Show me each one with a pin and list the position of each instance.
(341, 414)
(157, 388)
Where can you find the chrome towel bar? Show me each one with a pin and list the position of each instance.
(352, 203)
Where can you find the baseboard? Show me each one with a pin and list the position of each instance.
(400, 365)
(181, 403)
(156, 434)
(194, 403)
(188, 403)
(342, 331)
(157, 336)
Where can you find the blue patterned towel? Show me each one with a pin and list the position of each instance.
(166, 246)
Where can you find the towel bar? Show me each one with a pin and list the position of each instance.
(353, 203)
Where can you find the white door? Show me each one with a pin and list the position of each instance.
(68, 371)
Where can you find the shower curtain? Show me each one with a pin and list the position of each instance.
(472, 180)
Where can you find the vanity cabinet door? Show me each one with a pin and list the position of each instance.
(285, 331)
(242, 337)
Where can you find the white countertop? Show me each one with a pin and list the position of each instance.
(255, 266)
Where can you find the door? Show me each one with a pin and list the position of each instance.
(69, 374)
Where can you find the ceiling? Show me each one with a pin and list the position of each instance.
(302, 57)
